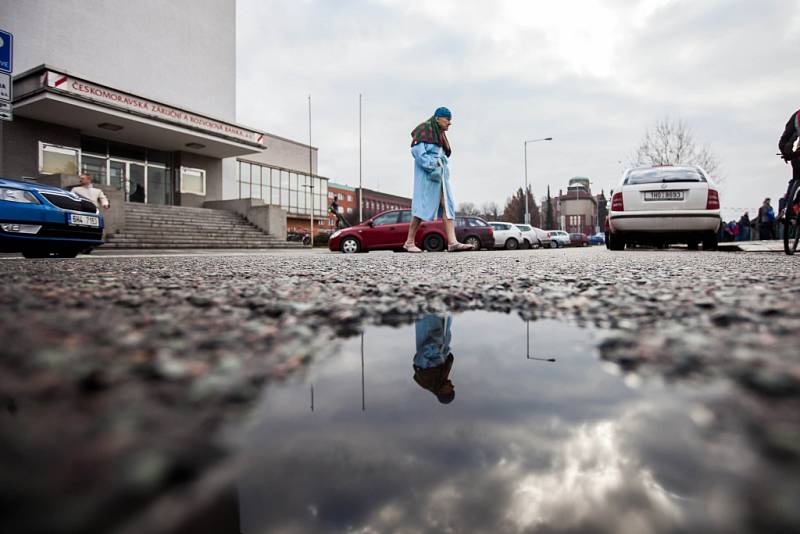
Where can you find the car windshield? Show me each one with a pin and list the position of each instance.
(663, 175)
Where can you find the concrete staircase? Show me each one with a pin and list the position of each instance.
(171, 227)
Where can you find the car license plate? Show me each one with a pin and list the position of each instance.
(83, 220)
(663, 195)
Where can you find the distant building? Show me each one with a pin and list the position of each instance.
(376, 202)
(577, 207)
(346, 199)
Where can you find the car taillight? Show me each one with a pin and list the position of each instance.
(713, 200)
(491, 232)
(616, 202)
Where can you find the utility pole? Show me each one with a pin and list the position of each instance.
(360, 187)
(525, 146)
(311, 171)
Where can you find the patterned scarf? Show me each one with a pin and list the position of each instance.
(428, 132)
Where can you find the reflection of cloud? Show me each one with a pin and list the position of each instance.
(590, 473)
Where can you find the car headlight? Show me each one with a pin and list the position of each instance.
(336, 234)
(17, 195)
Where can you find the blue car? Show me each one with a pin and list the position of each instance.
(43, 221)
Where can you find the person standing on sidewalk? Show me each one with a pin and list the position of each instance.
(766, 217)
(433, 197)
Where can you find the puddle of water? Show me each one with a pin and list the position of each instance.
(460, 424)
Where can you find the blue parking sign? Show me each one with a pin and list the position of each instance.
(6, 51)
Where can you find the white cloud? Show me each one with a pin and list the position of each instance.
(592, 74)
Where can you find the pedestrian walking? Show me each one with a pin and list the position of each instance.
(766, 218)
(433, 196)
(91, 193)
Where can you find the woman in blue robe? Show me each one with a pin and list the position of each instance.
(433, 197)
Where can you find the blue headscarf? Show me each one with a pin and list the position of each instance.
(443, 112)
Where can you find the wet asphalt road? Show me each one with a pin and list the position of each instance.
(129, 362)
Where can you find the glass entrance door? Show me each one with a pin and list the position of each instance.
(128, 176)
(117, 171)
(136, 184)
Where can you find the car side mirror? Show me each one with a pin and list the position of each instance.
(370, 224)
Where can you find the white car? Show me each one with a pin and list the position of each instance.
(664, 205)
(530, 239)
(558, 238)
(506, 235)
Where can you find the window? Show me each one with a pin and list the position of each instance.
(349, 198)
(405, 217)
(55, 159)
(664, 175)
(94, 167)
(193, 181)
(349, 211)
(330, 194)
(386, 218)
(341, 196)
(476, 223)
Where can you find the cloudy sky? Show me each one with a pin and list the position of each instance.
(592, 74)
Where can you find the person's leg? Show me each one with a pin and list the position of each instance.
(449, 224)
(412, 231)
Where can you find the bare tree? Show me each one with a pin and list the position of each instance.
(491, 210)
(672, 143)
(467, 209)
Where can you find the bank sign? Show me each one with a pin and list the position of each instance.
(6, 51)
(127, 102)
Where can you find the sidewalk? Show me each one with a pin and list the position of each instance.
(772, 245)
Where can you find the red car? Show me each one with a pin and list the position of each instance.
(578, 240)
(388, 231)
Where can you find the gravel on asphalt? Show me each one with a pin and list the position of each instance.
(116, 372)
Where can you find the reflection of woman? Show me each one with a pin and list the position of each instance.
(433, 360)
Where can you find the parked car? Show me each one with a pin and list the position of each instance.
(597, 239)
(664, 205)
(558, 238)
(578, 240)
(543, 237)
(506, 235)
(43, 221)
(388, 231)
(530, 239)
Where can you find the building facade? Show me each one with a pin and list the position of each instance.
(375, 202)
(346, 198)
(147, 108)
(577, 207)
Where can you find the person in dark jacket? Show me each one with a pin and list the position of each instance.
(766, 218)
(786, 144)
(744, 227)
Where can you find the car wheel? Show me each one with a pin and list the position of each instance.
(710, 241)
(67, 253)
(433, 243)
(616, 242)
(538, 244)
(33, 254)
(525, 244)
(350, 245)
(512, 244)
(693, 244)
(474, 241)
(553, 244)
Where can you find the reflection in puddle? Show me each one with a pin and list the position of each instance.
(527, 444)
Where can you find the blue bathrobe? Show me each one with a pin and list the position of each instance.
(431, 177)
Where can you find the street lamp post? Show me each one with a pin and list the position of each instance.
(311, 209)
(527, 210)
